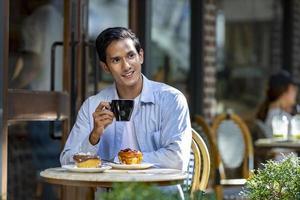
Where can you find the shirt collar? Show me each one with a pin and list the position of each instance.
(147, 95)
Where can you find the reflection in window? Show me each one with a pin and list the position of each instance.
(244, 61)
(34, 27)
(170, 42)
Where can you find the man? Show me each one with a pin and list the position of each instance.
(160, 123)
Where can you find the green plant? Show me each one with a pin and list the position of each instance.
(276, 180)
(139, 191)
(135, 191)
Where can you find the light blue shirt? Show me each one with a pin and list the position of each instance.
(161, 121)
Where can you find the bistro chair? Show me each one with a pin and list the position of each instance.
(261, 130)
(235, 148)
(199, 166)
(205, 132)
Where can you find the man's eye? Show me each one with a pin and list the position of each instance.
(115, 60)
(131, 55)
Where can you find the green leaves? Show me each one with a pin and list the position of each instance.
(277, 180)
(136, 191)
(140, 191)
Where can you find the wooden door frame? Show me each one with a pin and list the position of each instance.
(4, 23)
(139, 18)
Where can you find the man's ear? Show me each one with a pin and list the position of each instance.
(141, 55)
(104, 67)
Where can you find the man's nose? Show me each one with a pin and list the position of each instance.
(126, 64)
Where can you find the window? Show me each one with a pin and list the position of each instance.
(170, 42)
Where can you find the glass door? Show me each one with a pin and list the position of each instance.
(38, 91)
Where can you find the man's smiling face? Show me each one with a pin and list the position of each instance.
(124, 63)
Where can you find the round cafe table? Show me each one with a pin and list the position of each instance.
(156, 176)
(277, 143)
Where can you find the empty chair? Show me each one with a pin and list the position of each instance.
(205, 132)
(235, 149)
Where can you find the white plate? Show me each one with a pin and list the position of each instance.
(74, 168)
(133, 166)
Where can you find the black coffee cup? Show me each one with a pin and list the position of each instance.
(122, 109)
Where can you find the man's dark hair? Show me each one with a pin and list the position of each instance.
(111, 34)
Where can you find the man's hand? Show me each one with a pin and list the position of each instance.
(102, 118)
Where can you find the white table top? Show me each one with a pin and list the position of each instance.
(278, 143)
(106, 179)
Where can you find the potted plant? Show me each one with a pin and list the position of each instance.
(276, 180)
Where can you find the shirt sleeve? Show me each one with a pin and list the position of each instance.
(78, 140)
(176, 135)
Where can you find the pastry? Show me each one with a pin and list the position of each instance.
(129, 156)
(86, 160)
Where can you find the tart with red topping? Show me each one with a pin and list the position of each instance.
(129, 156)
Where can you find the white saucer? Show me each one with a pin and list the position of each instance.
(74, 168)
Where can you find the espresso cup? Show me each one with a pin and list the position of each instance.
(122, 109)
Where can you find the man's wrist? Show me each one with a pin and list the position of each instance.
(94, 138)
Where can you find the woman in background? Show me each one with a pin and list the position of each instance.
(280, 98)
